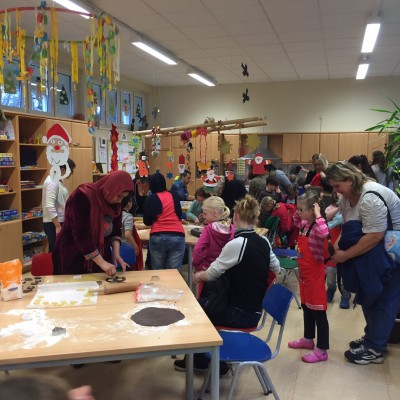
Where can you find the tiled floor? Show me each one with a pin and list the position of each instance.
(155, 378)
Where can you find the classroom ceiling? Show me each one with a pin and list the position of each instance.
(279, 40)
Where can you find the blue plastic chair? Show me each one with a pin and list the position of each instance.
(127, 253)
(240, 349)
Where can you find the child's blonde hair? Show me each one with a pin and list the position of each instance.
(215, 203)
(267, 201)
(248, 210)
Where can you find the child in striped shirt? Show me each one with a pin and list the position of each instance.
(310, 249)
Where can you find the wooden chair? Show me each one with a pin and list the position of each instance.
(42, 264)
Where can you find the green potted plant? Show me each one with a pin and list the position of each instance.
(391, 126)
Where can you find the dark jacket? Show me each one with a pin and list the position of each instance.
(366, 274)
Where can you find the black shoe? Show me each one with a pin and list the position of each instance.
(77, 366)
(200, 364)
(223, 369)
(363, 356)
(330, 292)
(355, 344)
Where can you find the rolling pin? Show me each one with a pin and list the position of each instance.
(111, 288)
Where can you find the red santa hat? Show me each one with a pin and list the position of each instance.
(258, 155)
(57, 131)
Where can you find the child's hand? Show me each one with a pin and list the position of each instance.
(317, 210)
(278, 190)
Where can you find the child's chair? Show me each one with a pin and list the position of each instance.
(42, 264)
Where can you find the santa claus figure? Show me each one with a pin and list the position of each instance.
(143, 165)
(57, 140)
(211, 179)
(181, 164)
(258, 164)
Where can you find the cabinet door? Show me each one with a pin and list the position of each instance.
(234, 153)
(11, 239)
(351, 144)
(214, 152)
(309, 146)
(376, 141)
(291, 147)
(329, 146)
(80, 135)
(83, 171)
(177, 142)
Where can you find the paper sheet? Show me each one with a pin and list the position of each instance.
(74, 294)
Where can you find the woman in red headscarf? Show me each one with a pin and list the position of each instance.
(92, 226)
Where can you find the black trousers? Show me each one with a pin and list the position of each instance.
(316, 318)
(50, 231)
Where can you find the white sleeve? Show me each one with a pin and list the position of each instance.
(373, 214)
(231, 255)
(51, 198)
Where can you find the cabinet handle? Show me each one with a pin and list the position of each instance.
(76, 144)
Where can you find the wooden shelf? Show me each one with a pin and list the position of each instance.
(8, 193)
(7, 140)
(32, 145)
(33, 169)
(14, 221)
(30, 219)
(7, 166)
(35, 188)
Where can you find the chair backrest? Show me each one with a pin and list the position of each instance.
(42, 264)
(127, 253)
(271, 223)
(271, 279)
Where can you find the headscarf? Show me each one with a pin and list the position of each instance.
(157, 183)
(99, 195)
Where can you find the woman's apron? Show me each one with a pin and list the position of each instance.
(311, 275)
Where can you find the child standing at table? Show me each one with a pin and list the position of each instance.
(310, 248)
(218, 231)
(195, 212)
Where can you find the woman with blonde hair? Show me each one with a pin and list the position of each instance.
(367, 270)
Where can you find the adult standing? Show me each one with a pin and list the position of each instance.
(142, 189)
(280, 176)
(233, 191)
(179, 187)
(379, 167)
(92, 226)
(54, 197)
(162, 211)
(360, 249)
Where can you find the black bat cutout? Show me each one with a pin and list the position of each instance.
(246, 96)
(245, 71)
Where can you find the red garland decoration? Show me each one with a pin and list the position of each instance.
(114, 148)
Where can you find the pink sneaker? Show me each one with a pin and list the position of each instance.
(302, 344)
(315, 356)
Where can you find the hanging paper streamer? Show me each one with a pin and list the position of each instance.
(114, 148)
(155, 141)
(74, 64)
(202, 147)
(170, 163)
(57, 140)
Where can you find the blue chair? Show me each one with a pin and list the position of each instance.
(127, 253)
(240, 349)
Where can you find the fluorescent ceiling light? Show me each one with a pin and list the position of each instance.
(370, 36)
(202, 79)
(155, 53)
(72, 6)
(362, 71)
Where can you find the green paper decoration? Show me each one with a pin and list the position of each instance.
(225, 147)
(253, 141)
(9, 84)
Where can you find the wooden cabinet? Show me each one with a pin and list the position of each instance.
(351, 144)
(309, 146)
(31, 166)
(329, 146)
(376, 141)
(291, 150)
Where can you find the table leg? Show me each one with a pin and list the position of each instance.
(189, 376)
(190, 267)
(215, 373)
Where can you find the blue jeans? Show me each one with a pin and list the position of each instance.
(167, 251)
(380, 315)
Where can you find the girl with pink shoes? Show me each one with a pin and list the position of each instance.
(310, 248)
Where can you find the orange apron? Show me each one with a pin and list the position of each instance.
(311, 275)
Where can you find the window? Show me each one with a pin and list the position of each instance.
(139, 114)
(126, 108)
(39, 92)
(11, 92)
(64, 95)
(111, 106)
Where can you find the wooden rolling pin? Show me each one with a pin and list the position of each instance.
(111, 288)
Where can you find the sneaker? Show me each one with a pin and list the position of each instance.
(302, 344)
(355, 344)
(344, 303)
(363, 356)
(315, 356)
(329, 294)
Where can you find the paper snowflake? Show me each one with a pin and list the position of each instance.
(225, 147)
(170, 175)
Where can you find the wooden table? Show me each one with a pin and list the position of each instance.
(190, 240)
(105, 332)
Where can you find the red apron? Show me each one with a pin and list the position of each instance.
(311, 276)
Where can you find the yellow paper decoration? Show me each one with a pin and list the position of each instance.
(74, 64)
(225, 147)
(253, 141)
(54, 47)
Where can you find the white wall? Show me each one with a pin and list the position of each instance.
(343, 105)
